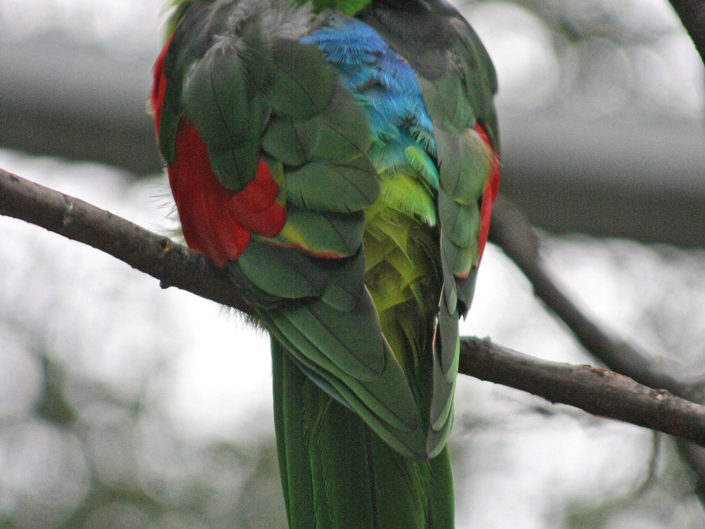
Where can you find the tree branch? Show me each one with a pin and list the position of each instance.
(595, 390)
(692, 15)
(173, 264)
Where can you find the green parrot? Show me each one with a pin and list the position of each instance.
(338, 159)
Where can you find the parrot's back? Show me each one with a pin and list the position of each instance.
(339, 160)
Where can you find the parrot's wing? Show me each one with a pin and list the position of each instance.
(252, 100)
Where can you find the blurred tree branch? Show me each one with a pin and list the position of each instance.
(692, 15)
(595, 390)
(512, 232)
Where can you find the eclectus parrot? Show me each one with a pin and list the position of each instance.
(338, 159)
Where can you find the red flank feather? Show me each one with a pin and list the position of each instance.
(215, 221)
(203, 204)
(489, 194)
(255, 207)
(156, 97)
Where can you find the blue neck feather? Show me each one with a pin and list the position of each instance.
(386, 86)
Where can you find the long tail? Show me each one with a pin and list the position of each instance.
(337, 474)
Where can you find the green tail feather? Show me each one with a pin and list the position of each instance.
(337, 474)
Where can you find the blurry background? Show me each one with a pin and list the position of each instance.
(123, 406)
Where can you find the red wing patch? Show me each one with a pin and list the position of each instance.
(156, 96)
(215, 220)
(206, 219)
(489, 194)
(256, 208)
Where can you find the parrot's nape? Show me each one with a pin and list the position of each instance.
(338, 158)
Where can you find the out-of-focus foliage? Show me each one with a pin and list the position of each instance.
(126, 27)
(646, 505)
(591, 57)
